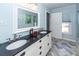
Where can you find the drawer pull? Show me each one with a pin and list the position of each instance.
(40, 47)
(22, 54)
(40, 41)
(48, 44)
(40, 53)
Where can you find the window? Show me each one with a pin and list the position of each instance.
(66, 27)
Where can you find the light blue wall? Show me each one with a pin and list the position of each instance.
(5, 22)
(68, 14)
(42, 16)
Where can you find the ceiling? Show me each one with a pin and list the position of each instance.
(55, 5)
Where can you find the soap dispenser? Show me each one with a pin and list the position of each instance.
(30, 32)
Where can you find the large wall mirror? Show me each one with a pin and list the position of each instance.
(27, 19)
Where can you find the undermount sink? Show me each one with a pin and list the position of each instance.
(43, 32)
(16, 44)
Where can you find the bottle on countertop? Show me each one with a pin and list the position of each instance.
(33, 33)
(30, 32)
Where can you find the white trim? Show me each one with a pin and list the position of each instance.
(24, 29)
(25, 8)
(69, 39)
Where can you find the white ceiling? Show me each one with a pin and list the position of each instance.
(55, 5)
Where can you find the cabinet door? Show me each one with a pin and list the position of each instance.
(49, 40)
(32, 52)
(33, 49)
(45, 50)
(46, 39)
(46, 44)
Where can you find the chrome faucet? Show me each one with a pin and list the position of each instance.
(15, 36)
(19, 36)
(9, 39)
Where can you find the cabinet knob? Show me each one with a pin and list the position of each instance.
(48, 44)
(40, 41)
(40, 53)
(40, 47)
(22, 54)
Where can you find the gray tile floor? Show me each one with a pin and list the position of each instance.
(63, 48)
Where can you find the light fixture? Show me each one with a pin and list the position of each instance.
(31, 6)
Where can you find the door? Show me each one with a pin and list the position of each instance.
(56, 24)
(48, 20)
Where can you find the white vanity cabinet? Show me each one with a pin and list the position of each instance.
(46, 44)
(39, 48)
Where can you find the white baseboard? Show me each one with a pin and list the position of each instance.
(66, 39)
(69, 39)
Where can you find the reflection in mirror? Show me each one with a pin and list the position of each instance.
(27, 19)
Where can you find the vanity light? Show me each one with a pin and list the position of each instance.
(32, 6)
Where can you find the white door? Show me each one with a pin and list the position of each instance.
(56, 24)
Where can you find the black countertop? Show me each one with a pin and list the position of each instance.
(5, 52)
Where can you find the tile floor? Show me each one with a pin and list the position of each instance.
(63, 48)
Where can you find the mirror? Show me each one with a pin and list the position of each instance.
(27, 19)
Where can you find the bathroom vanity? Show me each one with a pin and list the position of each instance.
(39, 46)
